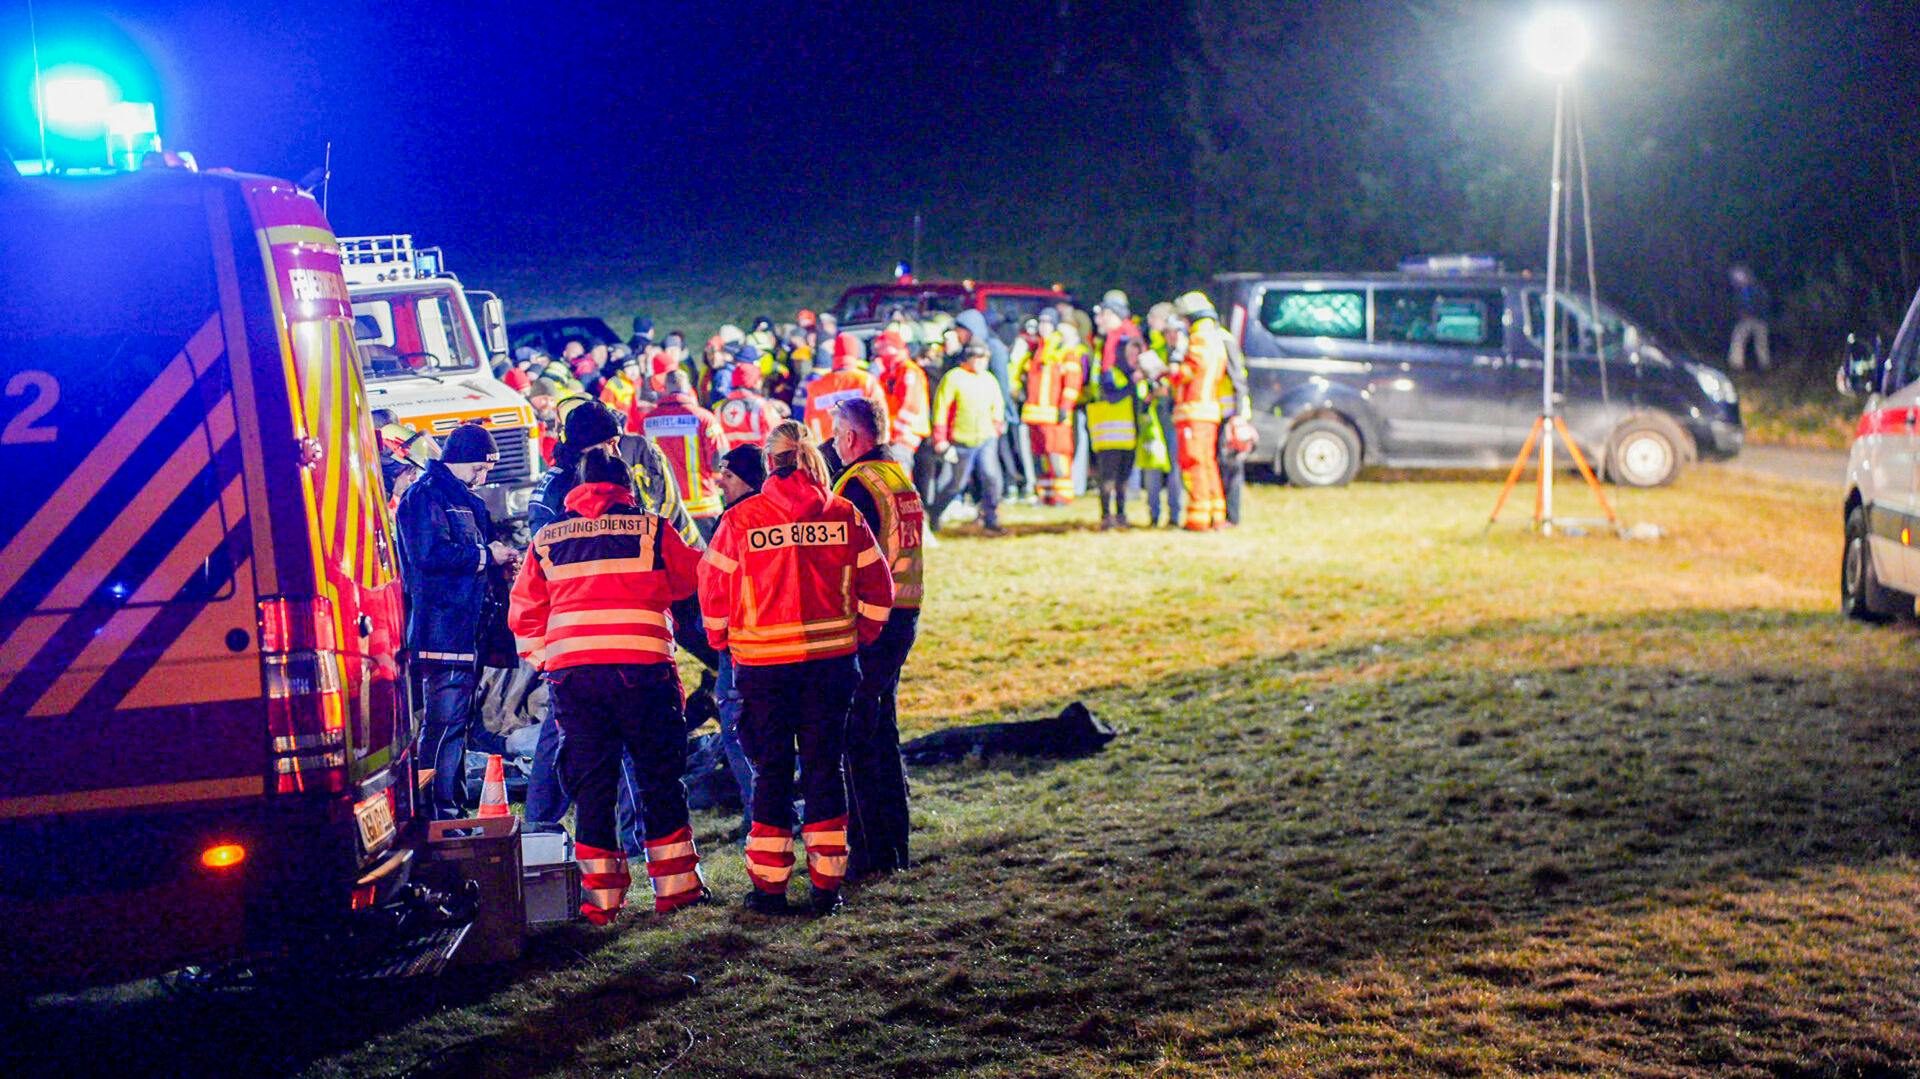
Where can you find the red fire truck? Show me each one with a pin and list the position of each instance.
(203, 720)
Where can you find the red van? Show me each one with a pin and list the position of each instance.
(203, 721)
(864, 309)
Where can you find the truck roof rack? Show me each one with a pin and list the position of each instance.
(367, 260)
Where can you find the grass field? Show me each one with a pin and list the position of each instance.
(1393, 796)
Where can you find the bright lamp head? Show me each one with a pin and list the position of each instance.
(75, 104)
(1557, 42)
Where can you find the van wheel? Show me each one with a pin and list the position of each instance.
(1321, 453)
(1862, 597)
(1646, 452)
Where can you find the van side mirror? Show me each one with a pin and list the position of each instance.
(1860, 371)
(493, 322)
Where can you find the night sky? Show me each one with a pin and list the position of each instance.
(718, 141)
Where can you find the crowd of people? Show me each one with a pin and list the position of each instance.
(764, 507)
(966, 412)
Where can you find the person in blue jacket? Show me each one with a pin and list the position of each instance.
(446, 549)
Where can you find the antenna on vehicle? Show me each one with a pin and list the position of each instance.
(326, 176)
(39, 84)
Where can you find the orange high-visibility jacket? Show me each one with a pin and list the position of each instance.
(597, 584)
(905, 384)
(835, 386)
(1196, 378)
(691, 440)
(1053, 379)
(793, 575)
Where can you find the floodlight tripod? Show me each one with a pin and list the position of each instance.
(1549, 423)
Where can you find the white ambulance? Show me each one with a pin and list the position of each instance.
(428, 360)
(1880, 571)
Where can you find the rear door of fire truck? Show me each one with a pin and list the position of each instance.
(129, 677)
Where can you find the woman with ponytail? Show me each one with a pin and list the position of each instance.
(791, 586)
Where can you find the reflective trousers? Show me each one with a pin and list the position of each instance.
(1200, 474)
(1052, 461)
(796, 713)
(876, 779)
(605, 711)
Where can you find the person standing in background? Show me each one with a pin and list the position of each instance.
(1752, 305)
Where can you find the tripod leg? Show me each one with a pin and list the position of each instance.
(1513, 476)
(1586, 471)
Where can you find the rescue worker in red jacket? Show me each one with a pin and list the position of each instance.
(792, 586)
(1052, 378)
(903, 382)
(848, 378)
(879, 488)
(590, 608)
(690, 439)
(745, 413)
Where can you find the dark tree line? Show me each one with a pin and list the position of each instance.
(1718, 131)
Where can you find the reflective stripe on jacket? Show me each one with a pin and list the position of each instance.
(1111, 424)
(897, 519)
(827, 391)
(1053, 380)
(793, 574)
(597, 584)
(905, 385)
(1196, 378)
(692, 442)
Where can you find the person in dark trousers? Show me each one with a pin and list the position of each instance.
(1237, 438)
(792, 586)
(970, 328)
(591, 608)
(968, 418)
(883, 493)
(446, 547)
(742, 471)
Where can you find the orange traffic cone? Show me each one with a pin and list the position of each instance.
(493, 793)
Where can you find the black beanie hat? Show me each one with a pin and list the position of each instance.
(589, 424)
(748, 463)
(469, 444)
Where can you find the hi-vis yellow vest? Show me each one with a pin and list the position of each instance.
(901, 519)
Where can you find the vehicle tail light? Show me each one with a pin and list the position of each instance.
(306, 699)
(223, 855)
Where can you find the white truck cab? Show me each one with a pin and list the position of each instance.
(1880, 570)
(428, 360)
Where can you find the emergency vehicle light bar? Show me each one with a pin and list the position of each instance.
(370, 259)
(1457, 264)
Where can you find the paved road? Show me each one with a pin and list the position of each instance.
(1826, 468)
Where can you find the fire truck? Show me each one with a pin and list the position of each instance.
(204, 732)
(426, 359)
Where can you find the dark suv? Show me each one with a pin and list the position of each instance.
(1429, 369)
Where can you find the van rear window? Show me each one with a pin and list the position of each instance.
(116, 437)
(1291, 313)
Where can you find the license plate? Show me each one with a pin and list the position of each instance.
(375, 817)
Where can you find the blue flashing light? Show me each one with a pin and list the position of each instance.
(75, 102)
(1451, 264)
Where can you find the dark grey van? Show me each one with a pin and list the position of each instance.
(1443, 370)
